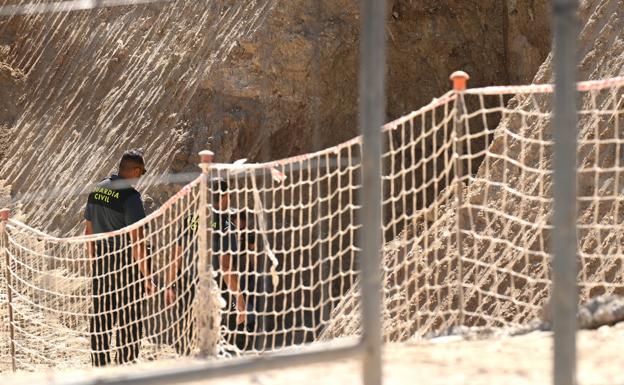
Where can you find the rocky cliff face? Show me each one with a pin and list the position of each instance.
(256, 79)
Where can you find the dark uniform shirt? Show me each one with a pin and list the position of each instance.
(249, 270)
(111, 209)
(223, 238)
(223, 242)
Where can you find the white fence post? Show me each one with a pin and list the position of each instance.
(460, 82)
(208, 329)
(4, 217)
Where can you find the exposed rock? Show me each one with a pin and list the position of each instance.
(599, 311)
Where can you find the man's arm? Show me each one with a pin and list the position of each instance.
(89, 231)
(174, 266)
(88, 215)
(230, 276)
(231, 279)
(139, 255)
(88, 228)
(138, 250)
(133, 212)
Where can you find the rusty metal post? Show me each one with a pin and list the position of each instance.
(460, 82)
(4, 217)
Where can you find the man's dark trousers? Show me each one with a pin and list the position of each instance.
(117, 296)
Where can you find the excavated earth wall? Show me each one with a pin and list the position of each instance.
(257, 79)
(507, 243)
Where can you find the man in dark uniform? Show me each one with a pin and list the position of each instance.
(224, 255)
(181, 278)
(251, 269)
(119, 264)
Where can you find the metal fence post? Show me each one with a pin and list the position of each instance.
(4, 217)
(372, 109)
(564, 242)
(460, 82)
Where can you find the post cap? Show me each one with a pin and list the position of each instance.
(206, 156)
(460, 80)
(4, 214)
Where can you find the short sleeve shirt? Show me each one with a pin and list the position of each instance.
(223, 242)
(223, 238)
(112, 206)
(223, 234)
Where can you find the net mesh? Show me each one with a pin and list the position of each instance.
(467, 207)
(468, 243)
(85, 300)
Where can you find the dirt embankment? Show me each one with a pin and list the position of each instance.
(506, 226)
(256, 79)
(11, 91)
(251, 80)
(293, 87)
(103, 81)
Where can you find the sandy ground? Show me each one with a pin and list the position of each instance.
(516, 360)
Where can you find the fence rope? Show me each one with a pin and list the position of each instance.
(292, 235)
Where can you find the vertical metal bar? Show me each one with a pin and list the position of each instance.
(372, 105)
(202, 249)
(564, 292)
(4, 217)
(460, 80)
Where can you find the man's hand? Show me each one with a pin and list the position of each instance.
(170, 296)
(241, 306)
(150, 287)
